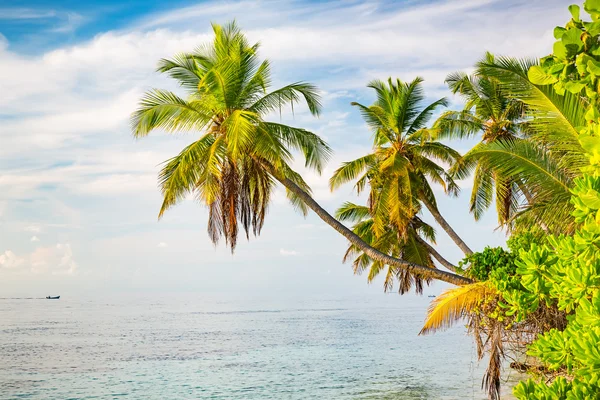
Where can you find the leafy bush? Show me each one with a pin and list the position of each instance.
(565, 271)
(480, 265)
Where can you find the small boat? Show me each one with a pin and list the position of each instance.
(53, 297)
(431, 295)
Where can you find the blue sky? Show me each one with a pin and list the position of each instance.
(78, 195)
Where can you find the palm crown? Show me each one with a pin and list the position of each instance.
(498, 118)
(529, 151)
(231, 167)
(404, 157)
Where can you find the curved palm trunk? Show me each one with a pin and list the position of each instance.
(372, 252)
(446, 226)
(447, 264)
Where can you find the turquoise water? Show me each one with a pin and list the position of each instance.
(231, 347)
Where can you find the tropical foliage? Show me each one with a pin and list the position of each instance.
(500, 119)
(566, 271)
(545, 308)
(528, 155)
(550, 157)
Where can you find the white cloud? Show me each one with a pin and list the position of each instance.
(34, 239)
(8, 259)
(53, 260)
(56, 260)
(287, 253)
(162, 244)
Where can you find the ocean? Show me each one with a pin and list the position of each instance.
(187, 346)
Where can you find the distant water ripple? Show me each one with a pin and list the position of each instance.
(197, 347)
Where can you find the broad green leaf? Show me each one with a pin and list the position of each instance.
(574, 86)
(559, 50)
(572, 41)
(593, 67)
(592, 6)
(592, 114)
(559, 31)
(559, 88)
(591, 199)
(538, 76)
(581, 63)
(556, 68)
(590, 144)
(593, 28)
(574, 10)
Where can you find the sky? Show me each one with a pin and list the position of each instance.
(79, 197)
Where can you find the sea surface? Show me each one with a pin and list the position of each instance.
(169, 346)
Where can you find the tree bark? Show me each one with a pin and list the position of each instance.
(447, 264)
(372, 252)
(446, 226)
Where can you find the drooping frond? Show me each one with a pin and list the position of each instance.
(535, 170)
(352, 212)
(316, 152)
(411, 246)
(290, 94)
(454, 304)
(180, 174)
(482, 194)
(458, 125)
(349, 171)
(161, 109)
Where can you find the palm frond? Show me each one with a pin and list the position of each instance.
(458, 125)
(290, 94)
(424, 116)
(350, 170)
(185, 69)
(180, 174)
(564, 113)
(161, 109)
(454, 304)
(352, 212)
(316, 152)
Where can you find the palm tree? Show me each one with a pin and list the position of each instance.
(404, 158)
(529, 151)
(412, 247)
(498, 118)
(235, 164)
(551, 156)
